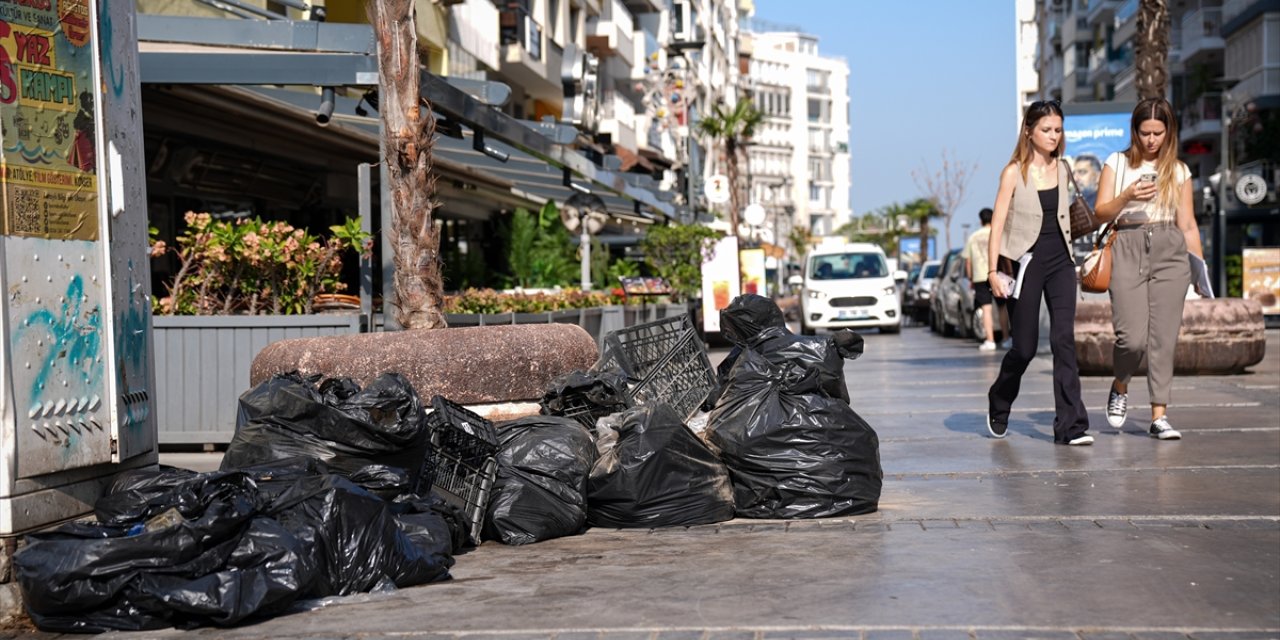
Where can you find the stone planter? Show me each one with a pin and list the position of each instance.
(1221, 336)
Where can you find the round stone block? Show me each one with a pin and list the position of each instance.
(469, 365)
(1218, 336)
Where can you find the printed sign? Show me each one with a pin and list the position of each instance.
(48, 171)
(1090, 139)
(1261, 279)
(720, 282)
(753, 271)
(717, 189)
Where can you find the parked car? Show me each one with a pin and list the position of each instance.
(920, 291)
(849, 285)
(952, 300)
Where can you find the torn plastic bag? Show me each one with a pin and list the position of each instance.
(208, 559)
(659, 474)
(783, 424)
(586, 396)
(540, 490)
(347, 428)
(355, 536)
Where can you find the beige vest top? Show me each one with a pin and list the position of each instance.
(1022, 225)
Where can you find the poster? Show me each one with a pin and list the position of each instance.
(720, 282)
(1261, 279)
(48, 170)
(753, 271)
(909, 250)
(1090, 139)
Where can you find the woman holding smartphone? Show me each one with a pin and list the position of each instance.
(1031, 219)
(1146, 190)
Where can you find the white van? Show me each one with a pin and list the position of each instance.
(849, 285)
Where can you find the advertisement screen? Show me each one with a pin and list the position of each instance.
(720, 282)
(1090, 139)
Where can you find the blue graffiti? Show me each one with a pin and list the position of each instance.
(131, 352)
(75, 338)
(105, 32)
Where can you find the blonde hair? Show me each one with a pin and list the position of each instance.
(1022, 150)
(1167, 162)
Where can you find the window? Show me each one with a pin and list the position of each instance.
(815, 192)
(847, 266)
(815, 110)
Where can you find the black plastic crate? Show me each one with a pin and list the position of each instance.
(462, 462)
(666, 361)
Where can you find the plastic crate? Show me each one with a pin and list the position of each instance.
(462, 462)
(666, 360)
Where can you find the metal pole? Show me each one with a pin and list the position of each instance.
(584, 243)
(1224, 183)
(364, 180)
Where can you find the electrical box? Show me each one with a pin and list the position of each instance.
(75, 320)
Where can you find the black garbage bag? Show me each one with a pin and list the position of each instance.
(659, 474)
(783, 424)
(347, 428)
(585, 396)
(541, 486)
(207, 559)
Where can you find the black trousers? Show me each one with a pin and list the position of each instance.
(1051, 275)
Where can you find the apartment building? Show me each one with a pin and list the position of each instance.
(799, 157)
(1224, 84)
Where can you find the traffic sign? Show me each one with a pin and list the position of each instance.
(717, 189)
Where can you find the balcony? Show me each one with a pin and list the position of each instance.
(1101, 11)
(527, 60)
(1105, 66)
(1126, 22)
(1075, 30)
(1202, 119)
(1201, 34)
(610, 34)
(618, 119)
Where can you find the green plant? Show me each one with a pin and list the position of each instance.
(540, 252)
(254, 266)
(1234, 265)
(676, 253)
(490, 301)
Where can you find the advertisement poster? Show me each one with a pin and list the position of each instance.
(48, 171)
(753, 271)
(1261, 280)
(720, 283)
(1090, 139)
(909, 250)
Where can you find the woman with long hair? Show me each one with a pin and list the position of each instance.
(1146, 191)
(1031, 226)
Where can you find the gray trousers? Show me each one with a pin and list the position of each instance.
(1150, 273)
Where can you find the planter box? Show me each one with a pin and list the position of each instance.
(202, 367)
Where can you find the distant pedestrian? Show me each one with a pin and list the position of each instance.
(1031, 221)
(977, 266)
(1147, 191)
(1087, 168)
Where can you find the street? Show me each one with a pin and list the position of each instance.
(975, 537)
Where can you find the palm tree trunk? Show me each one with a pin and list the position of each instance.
(1152, 49)
(408, 130)
(731, 161)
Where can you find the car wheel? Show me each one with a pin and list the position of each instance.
(964, 325)
(948, 329)
(805, 329)
(977, 324)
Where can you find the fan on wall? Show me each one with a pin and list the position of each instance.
(584, 214)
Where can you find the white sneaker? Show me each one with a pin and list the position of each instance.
(1117, 408)
(1162, 430)
(987, 346)
(1007, 344)
(1081, 441)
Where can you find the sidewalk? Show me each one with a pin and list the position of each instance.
(976, 538)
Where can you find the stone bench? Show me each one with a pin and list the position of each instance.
(1219, 336)
(502, 366)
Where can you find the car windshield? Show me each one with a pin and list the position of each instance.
(931, 271)
(845, 266)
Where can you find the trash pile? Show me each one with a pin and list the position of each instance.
(330, 489)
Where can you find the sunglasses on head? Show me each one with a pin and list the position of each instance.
(1040, 104)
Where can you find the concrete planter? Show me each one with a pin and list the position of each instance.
(1221, 336)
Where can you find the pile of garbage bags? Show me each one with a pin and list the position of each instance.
(782, 422)
(171, 547)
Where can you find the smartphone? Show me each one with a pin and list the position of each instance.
(1147, 177)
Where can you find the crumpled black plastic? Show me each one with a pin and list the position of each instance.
(659, 474)
(540, 490)
(783, 424)
(336, 422)
(597, 393)
(224, 547)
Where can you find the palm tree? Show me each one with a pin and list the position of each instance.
(1152, 49)
(408, 131)
(732, 128)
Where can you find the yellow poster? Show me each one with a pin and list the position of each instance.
(1262, 277)
(48, 170)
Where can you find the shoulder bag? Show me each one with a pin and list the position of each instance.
(1095, 273)
(1083, 220)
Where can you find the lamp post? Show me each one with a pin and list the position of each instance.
(1224, 183)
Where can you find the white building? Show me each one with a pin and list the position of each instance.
(799, 157)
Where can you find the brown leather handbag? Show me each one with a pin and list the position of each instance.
(1095, 273)
(1083, 220)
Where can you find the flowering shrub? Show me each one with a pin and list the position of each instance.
(490, 301)
(253, 266)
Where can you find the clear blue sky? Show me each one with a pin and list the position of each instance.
(924, 75)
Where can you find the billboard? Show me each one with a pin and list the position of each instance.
(909, 249)
(1090, 139)
(721, 282)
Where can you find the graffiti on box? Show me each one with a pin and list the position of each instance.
(48, 171)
